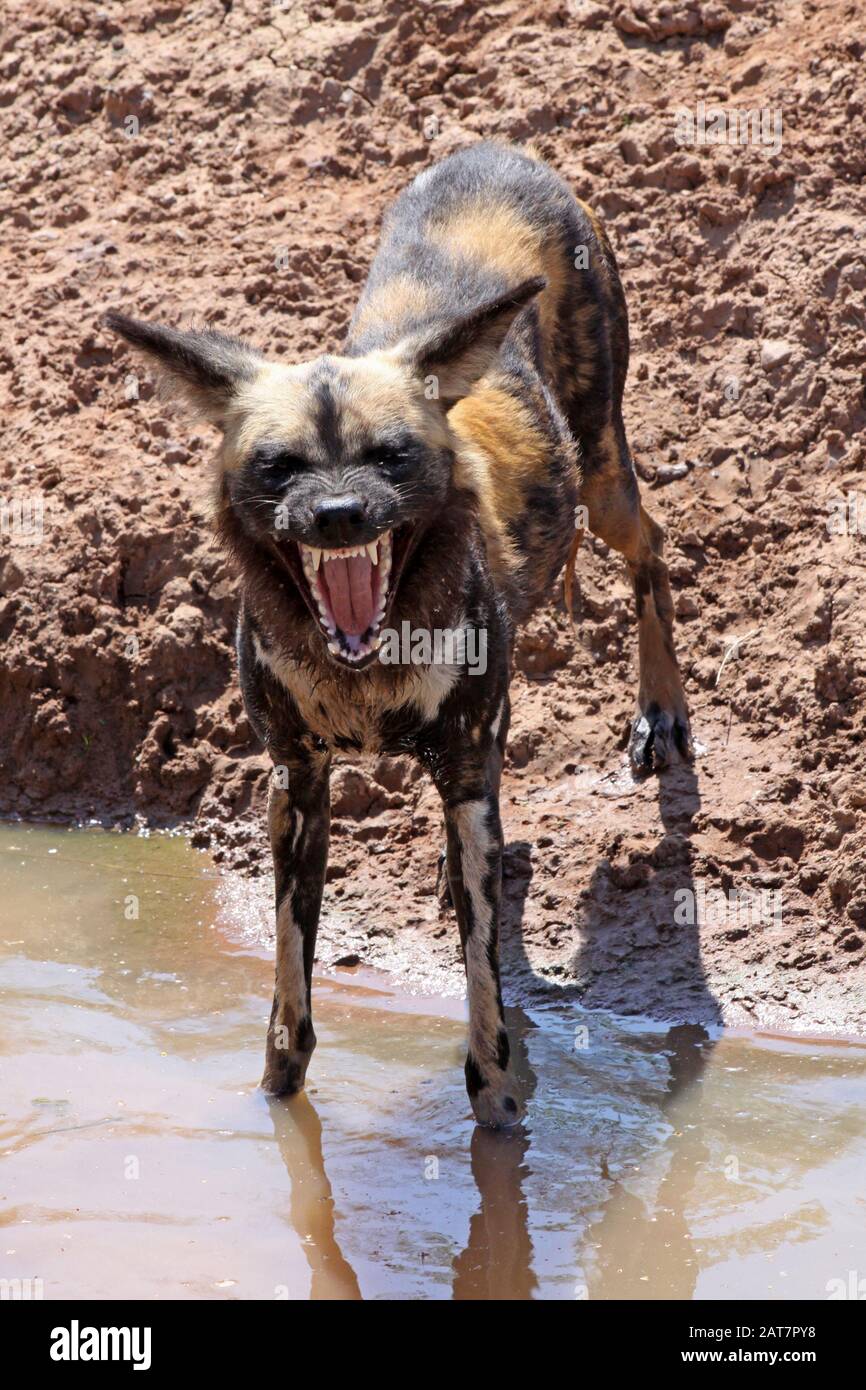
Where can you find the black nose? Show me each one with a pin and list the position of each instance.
(341, 519)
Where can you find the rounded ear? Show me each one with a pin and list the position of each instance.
(203, 367)
(456, 351)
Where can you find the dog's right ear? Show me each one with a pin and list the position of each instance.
(456, 350)
(204, 368)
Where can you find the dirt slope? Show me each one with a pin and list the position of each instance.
(231, 162)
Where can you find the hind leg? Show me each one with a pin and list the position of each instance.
(660, 732)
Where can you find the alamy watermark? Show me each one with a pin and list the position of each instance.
(22, 518)
(852, 1287)
(421, 646)
(21, 1290)
(77, 1343)
(729, 125)
(846, 516)
(701, 905)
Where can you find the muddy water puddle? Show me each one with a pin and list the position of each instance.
(138, 1159)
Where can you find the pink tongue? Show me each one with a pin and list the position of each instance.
(350, 588)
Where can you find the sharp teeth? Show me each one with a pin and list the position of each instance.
(311, 557)
(373, 552)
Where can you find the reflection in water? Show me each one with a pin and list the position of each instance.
(497, 1261)
(630, 1233)
(298, 1131)
(140, 1159)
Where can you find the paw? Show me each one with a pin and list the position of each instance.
(285, 1073)
(493, 1097)
(660, 737)
(496, 1109)
(286, 1067)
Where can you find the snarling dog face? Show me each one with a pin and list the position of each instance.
(338, 466)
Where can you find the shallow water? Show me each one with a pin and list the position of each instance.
(140, 1160)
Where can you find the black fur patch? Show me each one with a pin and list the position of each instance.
(475, 1082)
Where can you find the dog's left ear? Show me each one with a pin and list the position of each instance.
(205, 368)
(456, 352)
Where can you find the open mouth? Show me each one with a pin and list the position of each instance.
(351, 592)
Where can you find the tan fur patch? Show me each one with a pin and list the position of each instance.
(276, 405)
(519, 454)
(612, 513)
(499, 237)
(374, 392)
(399, 299)
(500, 455)
(379, 391)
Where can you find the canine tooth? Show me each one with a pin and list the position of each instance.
(317, 557)
(334, 647)
(373, 551)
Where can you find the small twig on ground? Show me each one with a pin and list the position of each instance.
(733, 649)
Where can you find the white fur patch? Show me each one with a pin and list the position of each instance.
(497, 723)
(432, 685)
(291, 983)
(353, 706)
(476, 844)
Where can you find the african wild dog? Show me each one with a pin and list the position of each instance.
(429, 472)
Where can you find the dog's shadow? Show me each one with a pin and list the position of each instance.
(635, 934)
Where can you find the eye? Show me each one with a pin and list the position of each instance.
(391, 457)
(275, 464)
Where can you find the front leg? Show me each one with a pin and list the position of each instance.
(299, 826)
(474, 857)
